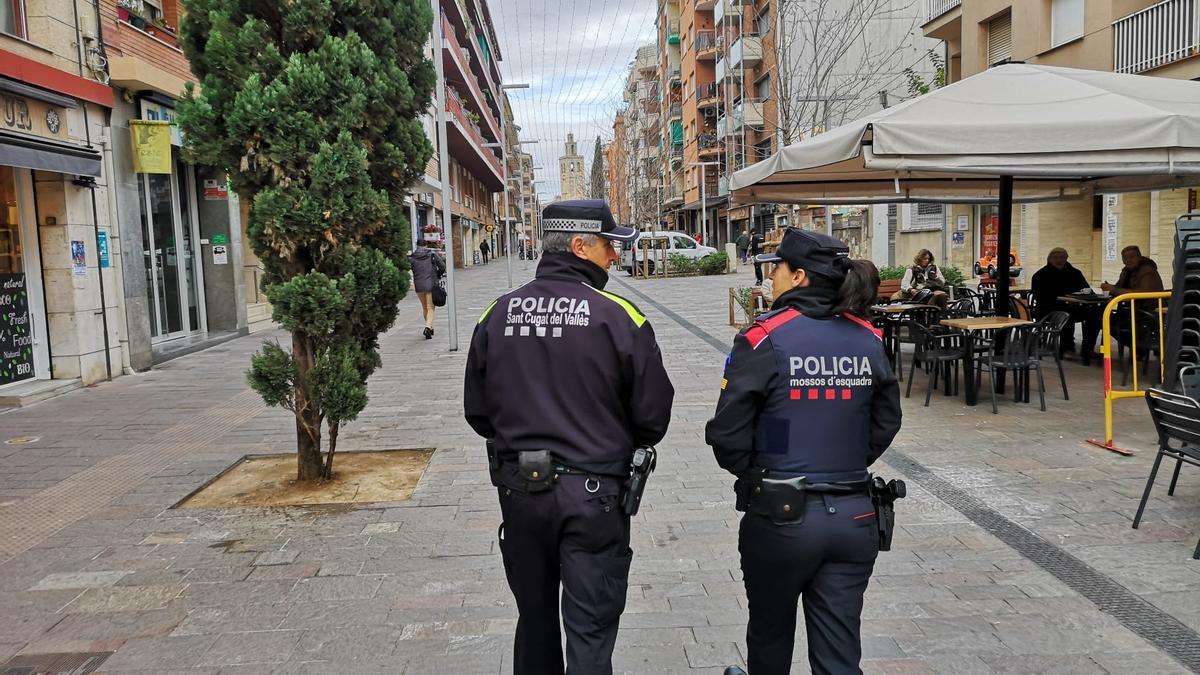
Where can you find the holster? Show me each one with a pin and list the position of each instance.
(536, 468)
(644, 461)
(883, 497)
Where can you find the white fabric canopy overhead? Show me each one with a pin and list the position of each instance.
(1063, 133)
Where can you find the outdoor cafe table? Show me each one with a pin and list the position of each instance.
(970, 326)
(889, 327)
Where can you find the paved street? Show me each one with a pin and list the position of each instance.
(1014, 555)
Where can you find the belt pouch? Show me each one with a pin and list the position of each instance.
(535, 467)
(493, 456)
(784, 499)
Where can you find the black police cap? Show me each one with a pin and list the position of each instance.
(810, 251)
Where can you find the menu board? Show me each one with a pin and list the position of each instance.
(16, 339)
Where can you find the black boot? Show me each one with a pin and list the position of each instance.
(428, 333)
(734, 670)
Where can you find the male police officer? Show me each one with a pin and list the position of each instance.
(565, 380)
(808, 402)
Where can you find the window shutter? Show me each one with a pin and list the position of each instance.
(1000, 39)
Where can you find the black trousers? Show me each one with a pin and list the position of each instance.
(578, 540)
(826, 561)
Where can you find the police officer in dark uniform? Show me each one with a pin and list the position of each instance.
(807, 403)
(566, 381)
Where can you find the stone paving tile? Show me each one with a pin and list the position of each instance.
(419, 587)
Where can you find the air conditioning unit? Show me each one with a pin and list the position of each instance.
(710, 112)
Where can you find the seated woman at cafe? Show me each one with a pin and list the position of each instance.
(1059, 278)
(923, 274)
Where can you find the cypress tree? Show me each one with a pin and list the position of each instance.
(312, 107)
(599, 179)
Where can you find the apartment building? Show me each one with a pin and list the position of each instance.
(1160, 39)
(637, 171)
(475, 112)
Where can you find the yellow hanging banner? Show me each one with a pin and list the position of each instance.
(151, 146)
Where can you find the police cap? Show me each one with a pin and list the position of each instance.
(812, 252)
(587, 216)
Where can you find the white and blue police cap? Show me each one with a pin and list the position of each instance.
(585, 216)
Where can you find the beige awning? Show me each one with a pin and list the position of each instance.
(1062, 133)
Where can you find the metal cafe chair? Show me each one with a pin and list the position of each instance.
(937, 352)
(1176, 418)
(1048, 342)
(1012, 350)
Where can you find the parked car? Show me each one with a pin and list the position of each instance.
(678, 243)
(987, 264)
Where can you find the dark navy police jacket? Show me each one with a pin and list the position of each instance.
(559, 364)
(806, 393)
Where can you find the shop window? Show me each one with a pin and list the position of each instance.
(1066, 21)
(12, 17)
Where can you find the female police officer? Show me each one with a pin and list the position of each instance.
(807, 403)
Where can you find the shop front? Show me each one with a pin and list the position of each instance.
(48, 239)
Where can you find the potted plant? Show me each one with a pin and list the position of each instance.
(131, 11)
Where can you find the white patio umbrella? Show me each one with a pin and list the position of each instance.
(1015, 132)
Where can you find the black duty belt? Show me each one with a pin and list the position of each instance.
(538, 470)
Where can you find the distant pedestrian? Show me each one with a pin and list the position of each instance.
(699, 237)
(743, 245)
(756, 244)
(484, 249)
(427, 268)
(566, 381)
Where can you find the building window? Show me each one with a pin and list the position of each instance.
(762, 22)
(12, 17)
(1066, 21)
(924, 217)
(762, 88)
(763, 150)
(999, 40)
(153, 11)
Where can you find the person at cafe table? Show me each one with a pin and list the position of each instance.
(1139, 275)
(1059, 278)
(921, 275)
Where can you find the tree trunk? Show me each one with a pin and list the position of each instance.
(308, 420)
(333, 435)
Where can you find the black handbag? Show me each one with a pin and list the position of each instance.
(439, 295)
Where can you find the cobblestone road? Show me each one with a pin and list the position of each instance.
(95, 560)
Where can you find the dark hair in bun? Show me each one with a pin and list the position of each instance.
(859, 288)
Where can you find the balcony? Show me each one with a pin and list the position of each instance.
(708, 95)
(936, 8)
(747, 50)
(672, 195)
(674, 75)
(727, 10)
(675, 111)
(710, 145)
(651, 123)
(722, 186)
(706, 5)
(673, 32)
(751, 112)
(465, 142)
(1156, 36)
(458, 58)
(707, 45)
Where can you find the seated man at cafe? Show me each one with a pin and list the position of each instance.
(1059, 278)
(1140, 275)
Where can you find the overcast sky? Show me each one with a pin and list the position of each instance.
(574, 55)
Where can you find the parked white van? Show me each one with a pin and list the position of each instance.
(678, 243)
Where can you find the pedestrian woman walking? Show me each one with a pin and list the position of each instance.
(427, 268)
(808, 402)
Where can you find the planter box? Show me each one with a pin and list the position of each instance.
(123, 14)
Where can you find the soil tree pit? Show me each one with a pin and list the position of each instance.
(270, 480)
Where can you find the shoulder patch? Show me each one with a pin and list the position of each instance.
(865, 324)
(763, 327)
(630, 308)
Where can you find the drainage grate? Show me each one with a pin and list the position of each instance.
(1149, 622)
(55, 664)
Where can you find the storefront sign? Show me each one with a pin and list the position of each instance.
(161, 113)
(220, 255)
(102, 237)
(16, 340)
(29, 116)
(1112, 228)
(989, 238)
(219, 239)
(215, 189)
(151, 146)
(78, 258)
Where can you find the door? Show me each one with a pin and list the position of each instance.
(169, 235)
(683, 245)
(24, 353)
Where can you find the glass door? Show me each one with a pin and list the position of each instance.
(23, 342)
(169, 234)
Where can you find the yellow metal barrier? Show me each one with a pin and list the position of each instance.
(1106, 348)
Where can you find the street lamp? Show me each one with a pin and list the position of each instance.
(444, 171)
(704, 193)
(503, 145)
